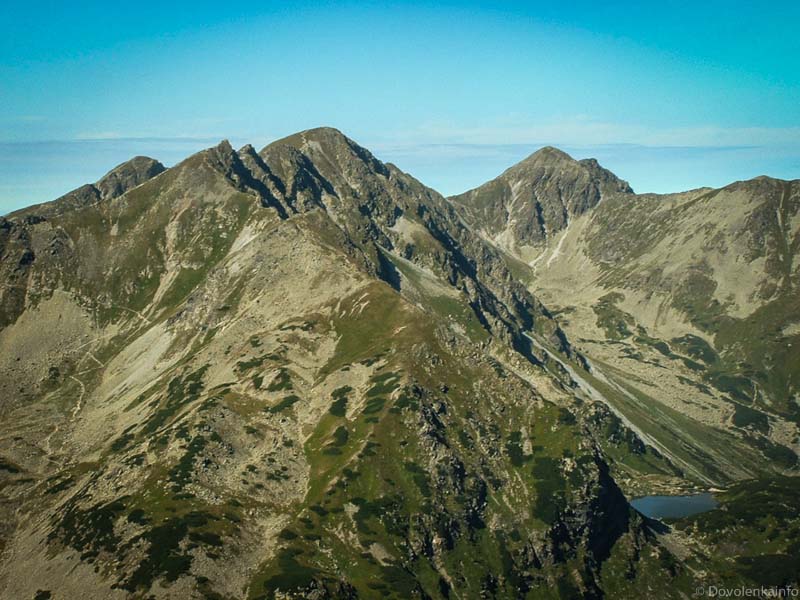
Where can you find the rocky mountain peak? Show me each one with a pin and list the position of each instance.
(222, 153)
(761, 184)
(115, 183)
(128, 175)
(228, 162)
(547, 154)
(328, 136)
(247, 150)
(311, 140)
(550, 162)
(538, 197)
(332, 153)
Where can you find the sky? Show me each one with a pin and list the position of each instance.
(668, 95)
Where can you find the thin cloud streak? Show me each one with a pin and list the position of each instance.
(584, 131)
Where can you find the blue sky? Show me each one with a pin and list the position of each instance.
(669, 95)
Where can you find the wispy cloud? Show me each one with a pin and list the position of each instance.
(582, 130)
(196, 128)
(455, 158)
(100, 135)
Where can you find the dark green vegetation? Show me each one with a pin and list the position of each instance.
(616, 323)
(754, 538)
(400, 506)
(339, 406)
(287, 402)
(180, 392)
(170, 531)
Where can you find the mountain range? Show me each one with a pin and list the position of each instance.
(301, 373)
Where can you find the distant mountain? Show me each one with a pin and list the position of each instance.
(524, 208)
(300, 373)
(113, 184)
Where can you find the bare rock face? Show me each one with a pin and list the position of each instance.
(536, 199)
(113, 184)
(128, 175)
(384, 211)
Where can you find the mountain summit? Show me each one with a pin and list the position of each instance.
(535, 199)
(113, 184)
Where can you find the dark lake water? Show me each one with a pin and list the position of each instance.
(674, 507)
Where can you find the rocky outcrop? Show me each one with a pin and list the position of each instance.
(374, 203)
(128, 175)
(113, 184)
(537, 198)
